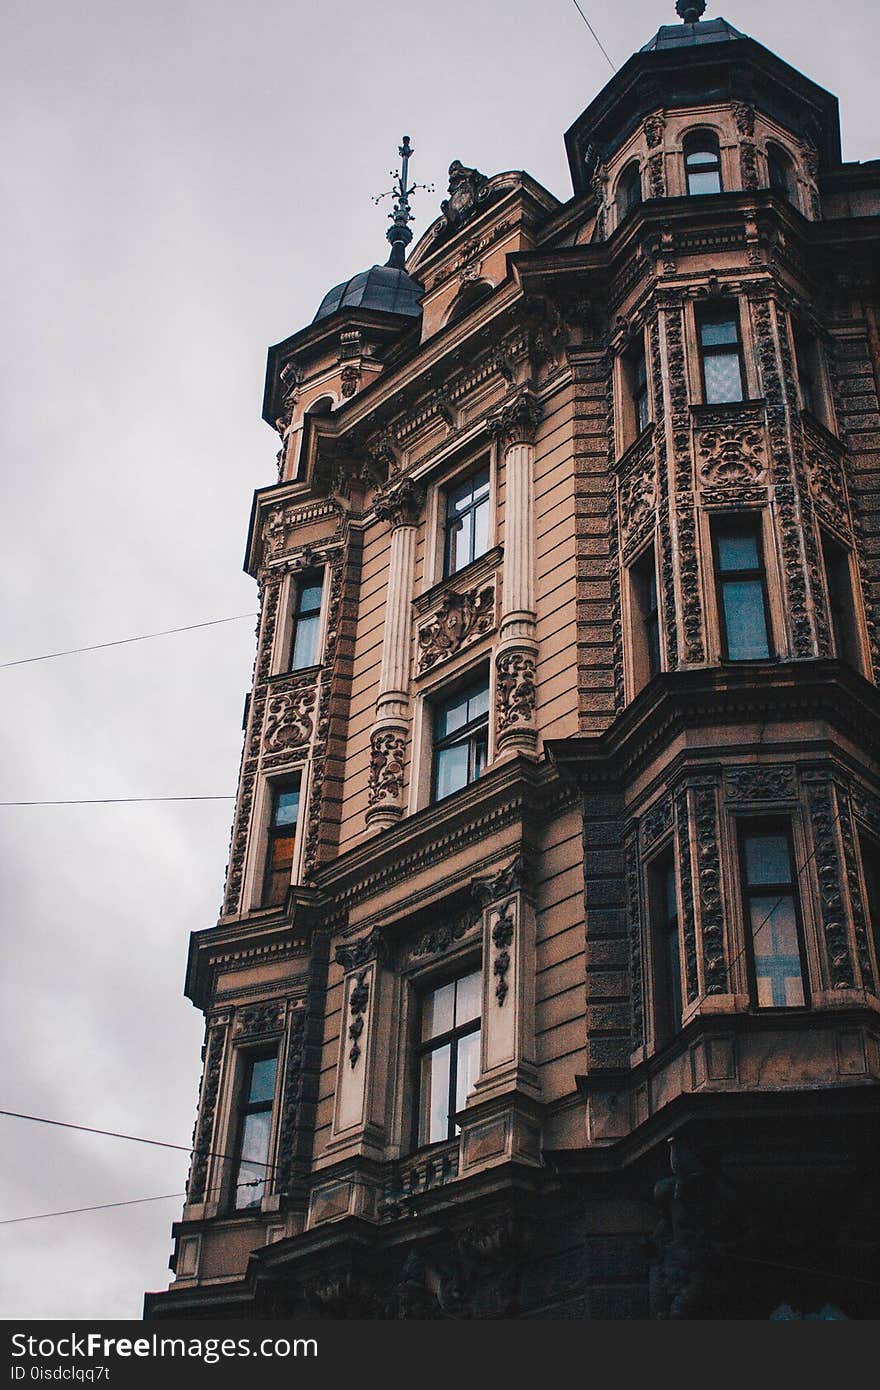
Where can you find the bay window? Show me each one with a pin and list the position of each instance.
(772, 914)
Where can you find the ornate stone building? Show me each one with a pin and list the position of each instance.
(546, 976)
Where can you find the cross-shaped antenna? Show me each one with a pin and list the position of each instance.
(399, 233)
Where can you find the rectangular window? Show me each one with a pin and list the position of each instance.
(254, 1132)
(449, 1054)
(647, 659)
(741, 590)
(810, 374)
(841, 604)
(636, 405)
(306, 621)
(461, 739)
(772, 915)
(663, 906)
(280, 842)
(466, 525)
(721, 356)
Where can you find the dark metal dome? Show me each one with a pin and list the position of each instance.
(692, 35)
(382, 287)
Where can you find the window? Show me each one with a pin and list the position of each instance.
(771, 915)
(468, 298)
(647, 659)
(629, 190)
(841, 604)
(306, 621)
(721, 355)
(810, 374)
(663, 907)
(254, 1132)
(780, 172)
(461, 739)
(702, 164)
(280, 842)
(636, 403)
(741, 590)
(466, 527)
(449, 1054)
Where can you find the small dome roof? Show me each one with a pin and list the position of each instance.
(382, 287)
(691, 35)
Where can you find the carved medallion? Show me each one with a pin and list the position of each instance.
(459, 619)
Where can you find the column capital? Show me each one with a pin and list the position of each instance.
(516, 421)
(401, 504)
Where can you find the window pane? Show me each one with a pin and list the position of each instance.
(434, 1105)
(673, 974)
(718, 332)
(452, 714)
(286, 806)
(744, 620)
(481, 528)
(305, 643)
(778, 971)
(723, 377)
(453, 547)
(467, 1068)
(480, 748)
(309, 596)
(737, 550)
(468, 998)
(767, 858)
(262, 1086)
(254, 1153)
(708, 182)
(478, 701)
(697, 157)
(438, 1011)
(452, 769)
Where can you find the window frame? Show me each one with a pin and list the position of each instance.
(774, 825)
(730, 521)
(641, 648)
(721, 312)
(462, 969)
(444, 695)
(843, 612)
(778, 158)
(630, 178)
(691, 144)
(664, 1024)
(447, 490)
(246, 1060)
(303, 580)
(271, 833)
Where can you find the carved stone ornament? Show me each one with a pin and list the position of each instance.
(213, 1055)
(634, 933)
(656, 177)
(708, 863)
(517, 420)
(387, 759)
(439, 940)
(654, 128)
(291, 1094)
(656, 821)
(289, 719)
(744, 115)
(826, 482)
(831, 892)
(356, 954)
(459, 619)
(638, 499)
(516, 692)
(730, 454)
(349, 380)
(260, 1018)
(469, 192)
(502, 936)
(501, 885)
(401, 505)
(760, 783)
(357, 1007)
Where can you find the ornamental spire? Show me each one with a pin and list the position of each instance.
(691, 11)
(399, 233)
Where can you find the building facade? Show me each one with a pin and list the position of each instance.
(547, 977)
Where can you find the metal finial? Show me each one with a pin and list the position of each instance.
(399, 233)
(690, 10)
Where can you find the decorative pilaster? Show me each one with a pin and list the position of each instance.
(359, 1114)
(401, 507)
(515, 426)
(507, 1061)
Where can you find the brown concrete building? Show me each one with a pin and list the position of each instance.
(546, 978)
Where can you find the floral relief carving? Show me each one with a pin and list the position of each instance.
(387, 760)
(322, 721)
(516, 691)
(730, 454)
(289, 718)
(440, 939)
(656, 821)
(401, 504)
(823, 820)
(459, 619)
(859, 915)
(634, 932)
(260, 1018)
(685, 527)
(291, 1095)
(511, 879)
(638, 500)
(349, 379)
(516, 422)
(764, 783)
(654, 128)
(826, 483)
(667, 573)
(709, 880)
(356, 954)
(656, 177)
(688, 920)
(204, 1131)
(502, 937)
(358, 1000)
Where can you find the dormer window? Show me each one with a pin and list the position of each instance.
(702, 164)
(780, 173)
(629, 190)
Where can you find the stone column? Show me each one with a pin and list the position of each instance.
(514, 427)
(401, 507)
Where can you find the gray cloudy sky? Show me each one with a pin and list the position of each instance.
(181, 184)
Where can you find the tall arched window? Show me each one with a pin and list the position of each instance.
(629, 190)
(702, 163)
(780, 172)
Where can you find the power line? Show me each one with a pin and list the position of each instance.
(132, 1138)
(595, 35)
(123, 641)
(115, 801)
(108, 1206)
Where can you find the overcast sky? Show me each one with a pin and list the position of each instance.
(181, 184)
